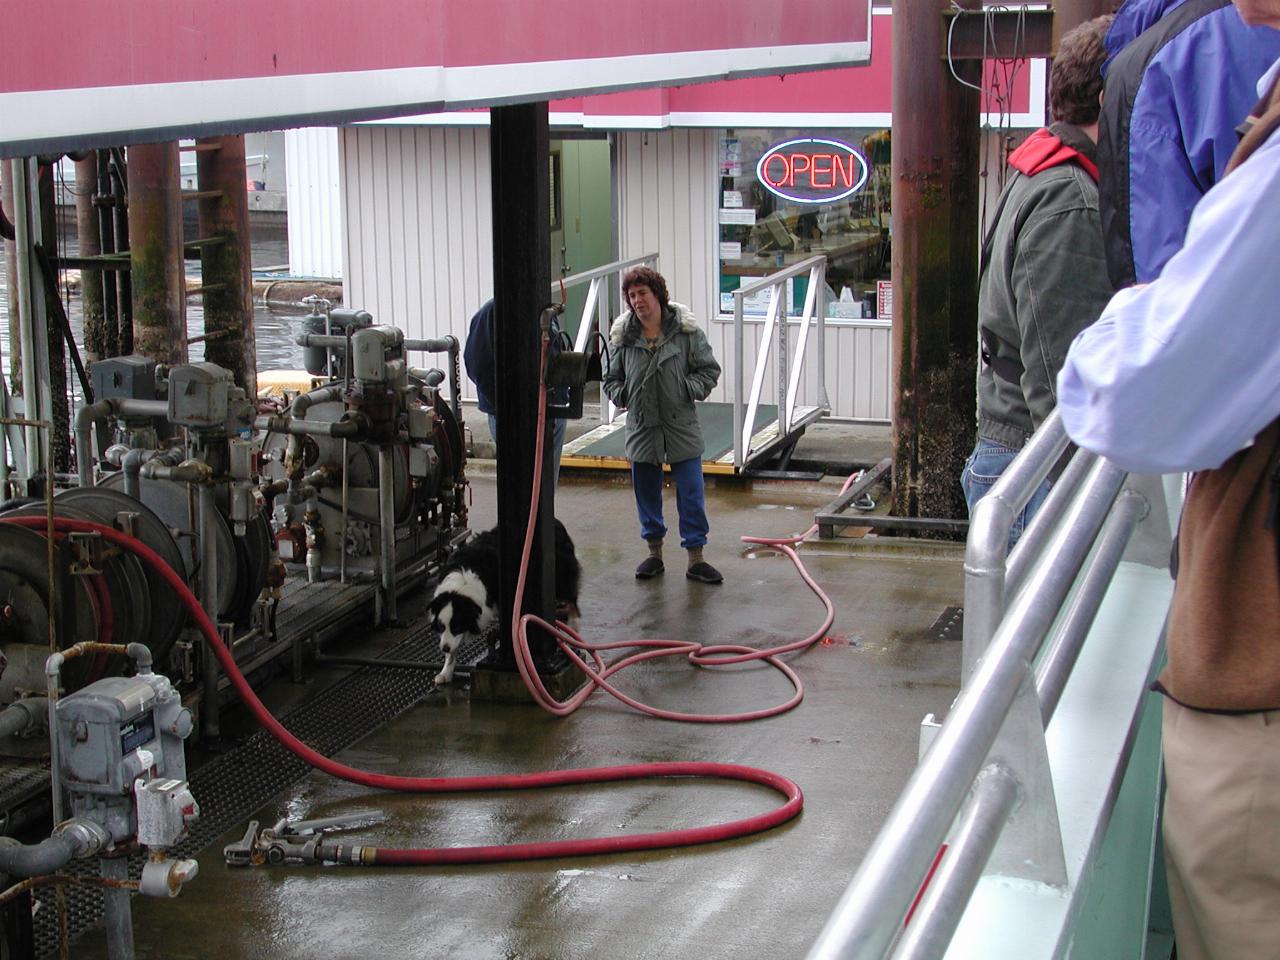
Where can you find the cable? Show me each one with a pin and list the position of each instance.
(523, 781)
(598, 672)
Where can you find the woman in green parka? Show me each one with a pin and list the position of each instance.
(660, 365)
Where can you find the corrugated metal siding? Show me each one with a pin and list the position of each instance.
(314, 201)
(419, 240)
(667, 182)
(419, 244)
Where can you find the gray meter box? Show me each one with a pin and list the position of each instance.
(199, 395)
(130, 378)
(113, 731)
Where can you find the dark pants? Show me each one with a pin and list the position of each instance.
(646, 480)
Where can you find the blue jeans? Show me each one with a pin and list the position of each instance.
(646, 481)
(557, 444)
(981, 471)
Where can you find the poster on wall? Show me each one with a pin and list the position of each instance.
(730, 157)
(884, 299)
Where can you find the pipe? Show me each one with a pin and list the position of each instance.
(29, 715)
(882, 889)
(930, 929)
(438, 345)
(85, 418)
(351, 425)
(89, 414)
(133, 407)
(74, 838)
(47, 856)
(26, 320)
(117, 908)
(131, 467)
(993, 517)
(297, 412)
(209, 721)
(626, 843)
(387, 531)
(1073, 628)
(430, 376)
(188, 471)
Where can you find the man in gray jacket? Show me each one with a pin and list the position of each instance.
(660, 364)
(1044, 272)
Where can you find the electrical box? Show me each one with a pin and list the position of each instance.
(130, 378)
(199, 395)
(111, 733)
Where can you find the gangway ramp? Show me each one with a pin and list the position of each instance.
(744, 431)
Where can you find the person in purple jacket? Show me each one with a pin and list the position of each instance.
(1180, 76)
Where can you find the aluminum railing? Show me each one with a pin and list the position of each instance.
(982, 801)
(596, 314)
(774, 339)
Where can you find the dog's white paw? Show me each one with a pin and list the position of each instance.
(446, 674)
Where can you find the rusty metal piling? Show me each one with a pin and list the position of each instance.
(225, 261)
(159, 280)
(935, 272)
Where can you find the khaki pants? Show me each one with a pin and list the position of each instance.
(1222, 833)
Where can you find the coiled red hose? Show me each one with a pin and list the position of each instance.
(794, 799)
(709, 655)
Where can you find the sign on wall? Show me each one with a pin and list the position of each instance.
(812, 170)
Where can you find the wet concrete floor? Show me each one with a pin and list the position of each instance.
(850, 746)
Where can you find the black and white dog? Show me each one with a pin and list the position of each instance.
(465, 603)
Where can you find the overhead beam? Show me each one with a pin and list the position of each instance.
(999, 34)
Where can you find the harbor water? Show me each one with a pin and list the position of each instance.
(275, 326)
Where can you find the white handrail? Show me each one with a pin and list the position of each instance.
(988, 765)
(776, 325)
(595, 316)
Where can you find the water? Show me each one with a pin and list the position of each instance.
(274, 327)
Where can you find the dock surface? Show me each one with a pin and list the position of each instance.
(850, 745)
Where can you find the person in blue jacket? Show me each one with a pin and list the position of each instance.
(482, 371)
(1180, 76)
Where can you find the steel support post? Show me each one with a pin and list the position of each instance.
(935, 275)
(118, 911)
(1068, 14)
(11, 282)
(522, 277)
(103, 200)
(226, 267)
(50, 323)
(36, 397)
(90, 237)
(159, 278)
(210, 716)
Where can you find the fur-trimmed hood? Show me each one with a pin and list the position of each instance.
(676, 319)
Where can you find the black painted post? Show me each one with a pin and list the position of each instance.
(522, 284)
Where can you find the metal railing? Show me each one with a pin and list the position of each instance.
(774, 338)
(982, 800)
(596, 314)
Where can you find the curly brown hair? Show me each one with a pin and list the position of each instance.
(648, 277)
(1076, 78)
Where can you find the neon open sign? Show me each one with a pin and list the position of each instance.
(809, 170)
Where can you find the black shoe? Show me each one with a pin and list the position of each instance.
(649, 567)
(704, 572)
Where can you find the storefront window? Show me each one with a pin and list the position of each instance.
(786, 195)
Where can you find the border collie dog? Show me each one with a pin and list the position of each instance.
(465, 603)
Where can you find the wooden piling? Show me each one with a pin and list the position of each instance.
(935, 270)
(226, 266)
(155, 255)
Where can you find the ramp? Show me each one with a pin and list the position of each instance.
(604, 447)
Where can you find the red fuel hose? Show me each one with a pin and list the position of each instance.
(521, 781)
(710, 655)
